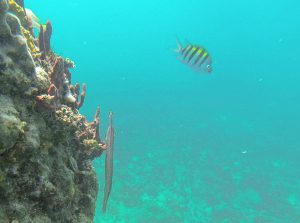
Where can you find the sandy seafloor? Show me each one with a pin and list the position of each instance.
(190, 147)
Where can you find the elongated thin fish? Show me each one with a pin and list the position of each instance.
(195, 57)
(108, 161)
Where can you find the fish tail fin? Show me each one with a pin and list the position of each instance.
(104, 202)
(179, 45)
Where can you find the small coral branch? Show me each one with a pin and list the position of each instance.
(57, 79)
(96, 126)
(45, 103)
(78, 103)
(44, 39)
(42, 43)
(47, 36)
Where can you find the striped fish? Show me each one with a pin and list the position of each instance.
(195, 57)
(109, 142)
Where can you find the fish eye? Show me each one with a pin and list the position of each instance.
(208, 67)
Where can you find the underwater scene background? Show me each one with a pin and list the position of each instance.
(219, 147)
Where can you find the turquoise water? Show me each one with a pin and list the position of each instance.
(190, 147)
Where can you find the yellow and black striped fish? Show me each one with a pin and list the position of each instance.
(195, 57)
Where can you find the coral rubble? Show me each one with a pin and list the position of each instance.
(46, 145)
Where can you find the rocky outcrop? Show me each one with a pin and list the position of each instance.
(46, 148)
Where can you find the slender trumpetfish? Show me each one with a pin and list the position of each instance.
(195, 57)
(108, 161)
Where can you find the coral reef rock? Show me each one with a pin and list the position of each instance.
(46, 145)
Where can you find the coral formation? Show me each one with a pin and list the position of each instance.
(78, 104)
(20, 2)
(46, 145)
(44, 39)
(14, 49)
(18, 10)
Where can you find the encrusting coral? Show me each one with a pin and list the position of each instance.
(20, 2)
(18, 10)
(26, 25)
(46, 145)
(12, 35)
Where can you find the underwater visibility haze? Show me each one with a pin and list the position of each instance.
(190, 146)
